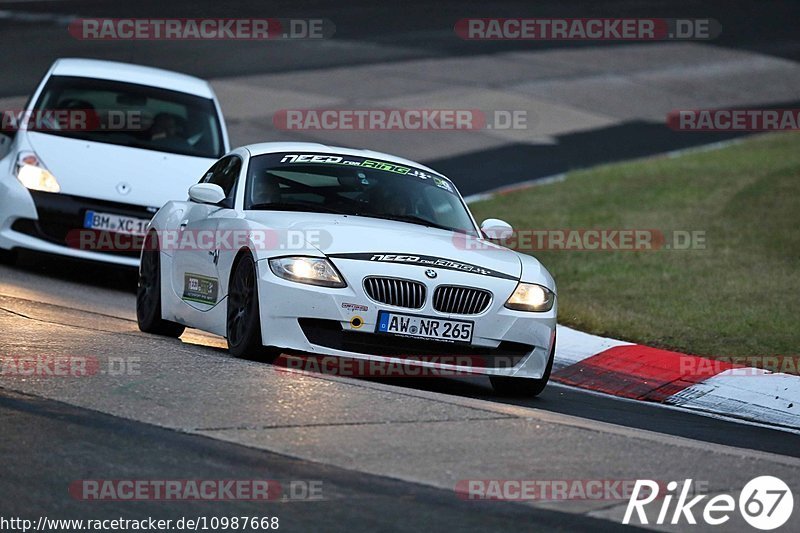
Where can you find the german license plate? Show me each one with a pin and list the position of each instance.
(424, 327)
(115, 223)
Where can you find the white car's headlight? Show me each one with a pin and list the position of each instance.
(311, 270)
(32, 174)
(531, 297)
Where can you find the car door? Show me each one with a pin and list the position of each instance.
(195, 277)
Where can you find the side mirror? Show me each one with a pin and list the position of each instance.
(496, 229)
(206, 193)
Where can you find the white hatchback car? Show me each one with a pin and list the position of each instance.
(65, 189)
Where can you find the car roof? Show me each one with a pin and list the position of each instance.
(277, 147)
(129, 73)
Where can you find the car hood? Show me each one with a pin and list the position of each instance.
(117, 173)
(369, 239)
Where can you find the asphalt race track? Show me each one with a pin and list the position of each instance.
(367, 441)
(388, 453)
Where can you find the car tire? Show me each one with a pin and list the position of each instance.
(148, 294)
(243, 324)
(524, 387)
(8, 257)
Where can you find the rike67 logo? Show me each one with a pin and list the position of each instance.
(765, 503)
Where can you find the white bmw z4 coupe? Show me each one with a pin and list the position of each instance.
(313, 249)
(98, 149)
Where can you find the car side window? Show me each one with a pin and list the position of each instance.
(225, 173)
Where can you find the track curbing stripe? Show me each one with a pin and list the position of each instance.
(691, 382)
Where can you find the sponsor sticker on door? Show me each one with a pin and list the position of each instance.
(200, 289)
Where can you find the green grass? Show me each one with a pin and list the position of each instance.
(740, 296)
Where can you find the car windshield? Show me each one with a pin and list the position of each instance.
(128, 114)
(343, 184)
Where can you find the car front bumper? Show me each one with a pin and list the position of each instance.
(43, 222)
(342, 322)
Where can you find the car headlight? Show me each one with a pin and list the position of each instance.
(311, 270)
(32, 174)
(531, 297)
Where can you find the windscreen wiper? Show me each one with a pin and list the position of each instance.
(295, 206)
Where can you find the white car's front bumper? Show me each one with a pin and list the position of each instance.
(17, 206)
(319, 320)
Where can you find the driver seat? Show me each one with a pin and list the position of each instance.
(266, 190)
